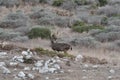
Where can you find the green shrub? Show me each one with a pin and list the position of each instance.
(102, 2)
(80, 2)
(44, 33)
(86, 28)
(104, 20)
(58, 2)
(42, 1)
(79, 23)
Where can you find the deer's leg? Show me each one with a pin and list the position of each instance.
(65, 52)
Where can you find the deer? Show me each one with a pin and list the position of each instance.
(59, 46)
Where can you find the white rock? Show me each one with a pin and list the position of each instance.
(27, 68)
(84, 77)
(109, 77)
(13, 63)
(57, 78)
(18, 59)
(86, 66)
(25, 53)
(31, 76)
(21, 75)
(84, 70)
(2, 64)
(61, 71)
(78, 57)
(112, 71)
(95, 66)
(47, 78)
(16, 78)
(57, 66)
(28, 56)
(3, 53)
(6, 70)
(70, 70)
(36, 68)
(15, 69)
(39, 64)
(29, 52)
(53, 60)
(52, 70)
(43, 70)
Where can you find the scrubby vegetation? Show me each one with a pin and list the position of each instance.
(82, 27)
(102, 2)
(42, 1)
(57, 2)
(104, 20)
(44, 33)
(80, 2)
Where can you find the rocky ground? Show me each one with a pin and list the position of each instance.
(19, 64)
(91, 27)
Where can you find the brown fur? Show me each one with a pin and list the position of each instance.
(60, 46)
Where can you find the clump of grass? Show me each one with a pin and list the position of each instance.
(42, 1)
(41, 51)
(44, 33)
(80, 2)
(104, 20)
(28, 61)
(79, 23)
(58, 2)
(102, 2)
(85, 28)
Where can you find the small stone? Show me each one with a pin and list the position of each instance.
(86, 66)
(47, 78)
(28, 57)
(39, 64)
(78, 57)
(25, 53)
(57, 66)
(70, 70)
(15, 69)
(84, 77)
(43, 70)
(61, 71)
(112, 71)
(16, 78)
(57, 78)
(18, 59)
(29, 52)
(6, 70)
(95, 66)
(3, 53)
(2, 64)
(21, 75)
(84, 70)
(31, 76)
(13, 63)
(109, 77)
(52, 70)
(35, 68)
(27, 69)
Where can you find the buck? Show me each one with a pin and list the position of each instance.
(59, 46)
